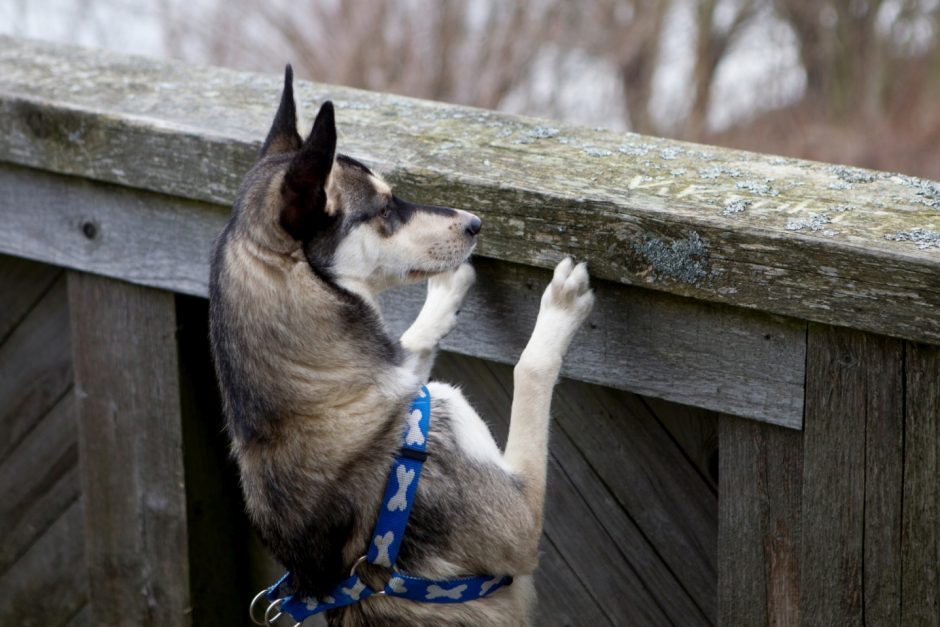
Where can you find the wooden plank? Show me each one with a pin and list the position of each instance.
(22, 284)
(49, 583)
(648, 475)
(884, 473)
(130, 451)
(781, 235)
(759, 526)
(921, 530)
(851, 485)
(592, 532)
(36, 365)
(695, 430)
(708, 355)
(38, 481)
(563, 599)
(143, 238)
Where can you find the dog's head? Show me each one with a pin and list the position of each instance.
(344, 218)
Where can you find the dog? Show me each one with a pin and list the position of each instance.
(316, 392)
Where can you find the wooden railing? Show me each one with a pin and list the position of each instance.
(752, 285)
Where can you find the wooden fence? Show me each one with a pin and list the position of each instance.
(748, 432)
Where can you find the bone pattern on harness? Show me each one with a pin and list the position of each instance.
(397, 584)
(355, 591)
(489, 583)
(436, 592)
(389, 530)
(404, 476)
(414, 436)
(382, 543)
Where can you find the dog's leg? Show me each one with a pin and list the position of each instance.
(565, 304)
(437, 318)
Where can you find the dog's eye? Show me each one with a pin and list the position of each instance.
(386, 210)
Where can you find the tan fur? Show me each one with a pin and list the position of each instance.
(334, 397)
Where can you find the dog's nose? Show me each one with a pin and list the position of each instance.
(473, 227)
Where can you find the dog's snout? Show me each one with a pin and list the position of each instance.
(473, 227)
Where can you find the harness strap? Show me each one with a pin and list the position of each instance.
(386, 541)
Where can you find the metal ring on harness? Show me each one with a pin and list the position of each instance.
(251, 608)
(352, 571)
(269, 620)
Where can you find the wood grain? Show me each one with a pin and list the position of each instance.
(921, 530)
(884, 476)
(22, 284)
(695, 431)
(49, 583)
(38, 481)
(702, 354)
(851, 483)
(759, 524)
(130, 451)
(634, 457)
(35, 363)
(143, 238)
(563, 599)
(817, 242)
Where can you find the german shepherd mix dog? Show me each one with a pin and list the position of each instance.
(316, 392)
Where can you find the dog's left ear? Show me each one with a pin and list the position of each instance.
(304, 186)
(283, 136)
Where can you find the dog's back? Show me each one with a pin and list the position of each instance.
(316, 393)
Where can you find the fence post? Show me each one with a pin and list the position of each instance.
(130, 451)
(852, 478)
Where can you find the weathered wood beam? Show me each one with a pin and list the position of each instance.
(702, 354)
(130, 451)
(920, 540)
(838, 245)
(852, 479)
(837, 525)
(761, 482)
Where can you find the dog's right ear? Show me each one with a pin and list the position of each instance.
(283, 136)
(304, 187)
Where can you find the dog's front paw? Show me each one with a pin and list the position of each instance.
(566, 303)
(448, 289)
(438, 316)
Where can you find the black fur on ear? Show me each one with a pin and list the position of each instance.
(304, 187)
(283, 136)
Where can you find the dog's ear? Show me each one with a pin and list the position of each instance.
(304, 187)
(283, 136)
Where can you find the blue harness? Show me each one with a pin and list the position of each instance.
(386, 541)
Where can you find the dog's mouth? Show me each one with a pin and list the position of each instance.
(420, 275)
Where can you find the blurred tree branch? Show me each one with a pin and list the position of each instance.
(872, 74)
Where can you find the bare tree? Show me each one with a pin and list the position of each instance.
(712, 40)
(453, 50)
(861, 70)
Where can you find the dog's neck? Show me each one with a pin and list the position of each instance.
(343, 335)
(363, 289)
